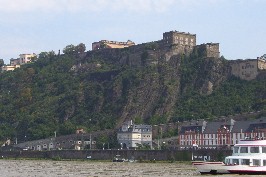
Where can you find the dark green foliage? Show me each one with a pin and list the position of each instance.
(144, 57)
(49, 95)
(1, 62)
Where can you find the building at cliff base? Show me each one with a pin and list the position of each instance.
(133, 136)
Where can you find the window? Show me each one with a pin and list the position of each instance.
(254, 149)
(236, 149)
(235, 162)
(264, 162)
(245, 162)
(243, 149)
(263, 149)
(256, 162)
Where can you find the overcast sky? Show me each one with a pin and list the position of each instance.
(34, 26)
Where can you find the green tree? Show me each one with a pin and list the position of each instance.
(80, 48)
(1, 62)
(69, 49)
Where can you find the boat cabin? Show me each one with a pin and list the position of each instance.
(248, 152)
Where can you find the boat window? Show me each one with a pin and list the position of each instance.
(236, 149)
(244, 161)
(254, 149)
(263, 149)
(227, 161)
(243, 149)
(256, 162)
(264, 162)
(235, 162)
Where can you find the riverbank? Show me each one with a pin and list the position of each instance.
(140, 155)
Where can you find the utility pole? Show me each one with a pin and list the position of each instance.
(90, 141)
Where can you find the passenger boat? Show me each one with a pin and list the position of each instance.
(249, 157)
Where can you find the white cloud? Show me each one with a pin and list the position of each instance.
(18, 6)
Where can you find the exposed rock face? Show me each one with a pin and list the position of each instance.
(156, 80)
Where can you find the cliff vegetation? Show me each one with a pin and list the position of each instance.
(100, 90)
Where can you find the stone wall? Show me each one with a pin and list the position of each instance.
(147, 155)
(210, 50)
(261, 64)
(244, 69)
(179, 38)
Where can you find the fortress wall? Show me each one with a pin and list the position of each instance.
(261, 64)
(245, 69)
(209, 50)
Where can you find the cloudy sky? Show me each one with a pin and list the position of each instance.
(34, 26)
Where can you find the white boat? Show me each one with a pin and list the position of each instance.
(249, 157)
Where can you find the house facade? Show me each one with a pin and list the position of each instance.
(26, 58)
(15, 63)
(132, 136)
(220, 134)
(9, 67)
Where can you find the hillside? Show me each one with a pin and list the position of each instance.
(99, 90)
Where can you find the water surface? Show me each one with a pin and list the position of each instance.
(45, 168)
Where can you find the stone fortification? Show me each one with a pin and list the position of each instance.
(179, 38)
(173, 43)
(210, 50)
(111, 44)
(247, 69)
(261, 64)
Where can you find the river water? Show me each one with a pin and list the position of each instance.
(48, 168)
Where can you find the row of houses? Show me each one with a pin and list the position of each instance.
(220, 134)
(200, 133)
(76, 141)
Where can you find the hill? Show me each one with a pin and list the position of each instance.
(100, 89)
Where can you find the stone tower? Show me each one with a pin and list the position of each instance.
(179, 38)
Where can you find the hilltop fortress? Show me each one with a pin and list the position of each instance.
(173, 42)
(177, 43)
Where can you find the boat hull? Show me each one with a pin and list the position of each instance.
(211, 167)
(221, 168)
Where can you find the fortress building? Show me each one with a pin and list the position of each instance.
(179, 38)
(210, 49)
(247, 69)
(111, 44)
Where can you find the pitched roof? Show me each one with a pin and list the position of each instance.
(241, 126)
(212, 127)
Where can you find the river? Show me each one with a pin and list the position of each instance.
(48, 168)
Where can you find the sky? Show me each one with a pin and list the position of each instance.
(34, 26)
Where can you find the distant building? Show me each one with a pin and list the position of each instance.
(111, 44)
(220, 134)
(14, 62)
(179, 38)
(247, 69)
(131, 135)
(210, 49)
(9, 67)
(26, 58)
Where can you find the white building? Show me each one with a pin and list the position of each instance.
(26, 58)
(132, 136)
